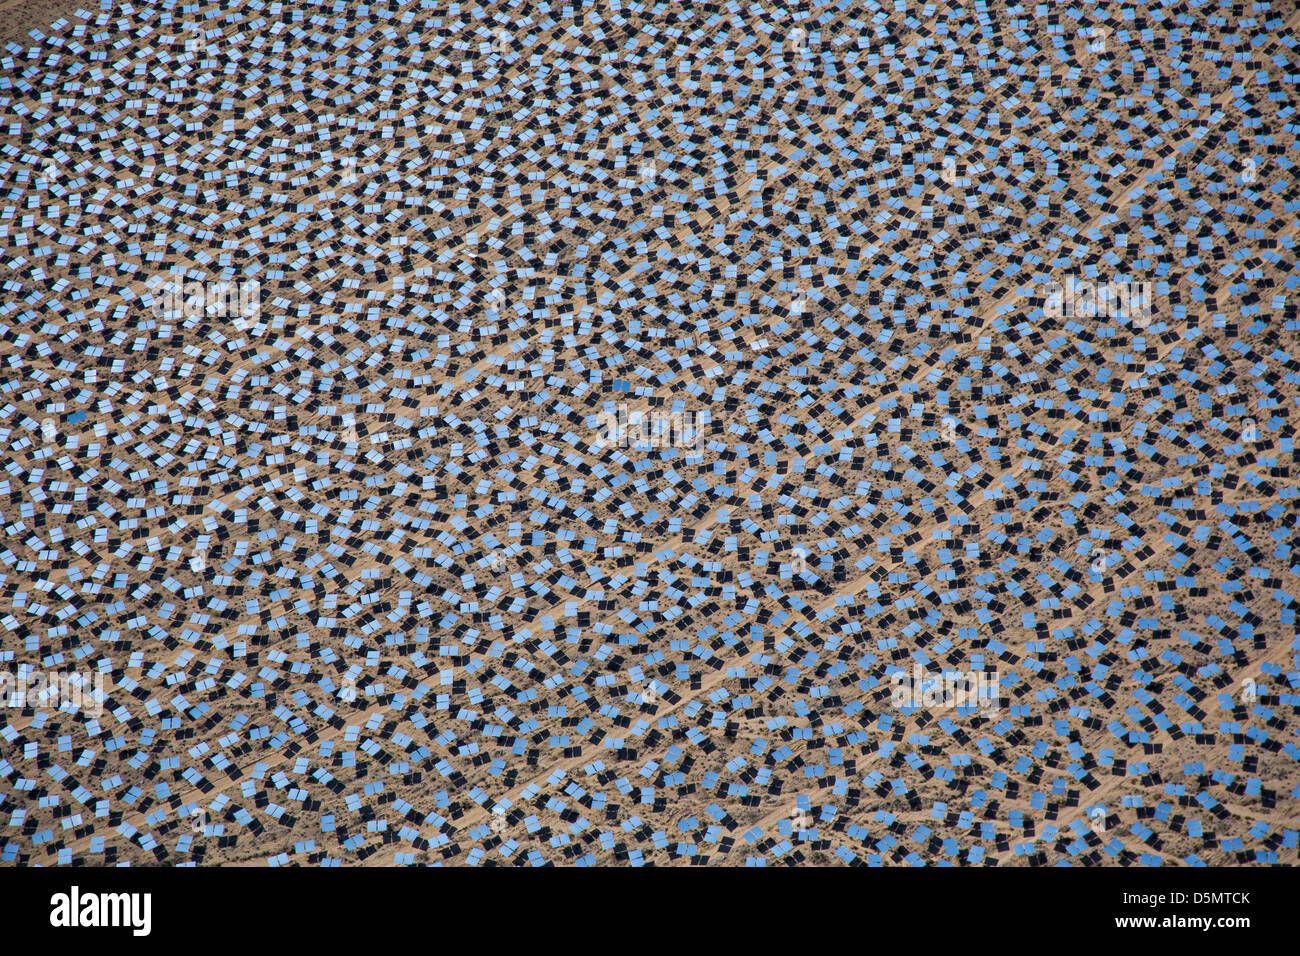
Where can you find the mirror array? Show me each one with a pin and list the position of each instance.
(520, 434)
